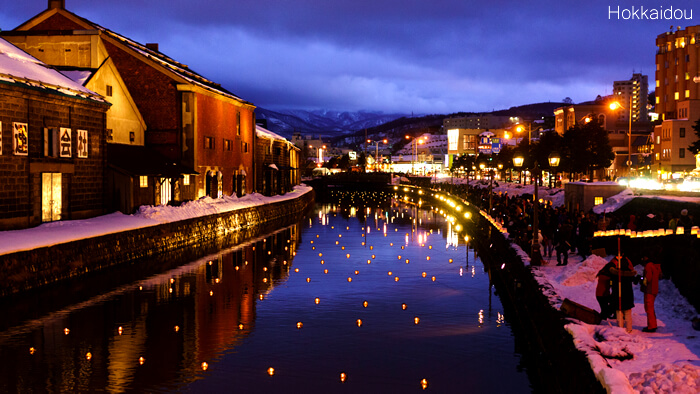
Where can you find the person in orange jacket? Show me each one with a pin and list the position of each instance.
(650, 288)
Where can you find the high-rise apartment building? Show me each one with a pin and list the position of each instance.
(635, 93)
(677, 99)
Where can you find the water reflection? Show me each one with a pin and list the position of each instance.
(245, 318)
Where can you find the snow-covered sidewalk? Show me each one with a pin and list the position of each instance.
(666, 361)
(63, 231)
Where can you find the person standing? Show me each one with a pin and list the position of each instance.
(562, 240)
(650, 288)
(623, 275)
(602, 291)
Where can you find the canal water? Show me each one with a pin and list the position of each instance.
(365, 295)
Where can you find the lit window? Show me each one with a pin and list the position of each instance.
(657, 99)
(676, 95)
(143, 180)
(208, 143)
(687, 93)
(186, 180)
(598, 200)
(658, 83)
(687, 76)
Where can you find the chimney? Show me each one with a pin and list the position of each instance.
(152, 46)
(58, 4)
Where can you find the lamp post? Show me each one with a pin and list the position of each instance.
(614, 106)
(535, 255)
(376, 153)
(518, 160)
(554, 160)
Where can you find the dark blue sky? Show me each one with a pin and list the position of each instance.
(422, 56)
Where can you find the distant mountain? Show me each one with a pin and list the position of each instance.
(327, 123)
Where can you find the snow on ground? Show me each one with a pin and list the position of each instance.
(555, 195)
(665, 361)
(62, 231)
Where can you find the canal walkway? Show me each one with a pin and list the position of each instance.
(64, 231)
(666, 361)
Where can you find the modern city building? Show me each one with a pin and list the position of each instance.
(482, 121)
(635, 93)
(677, 100)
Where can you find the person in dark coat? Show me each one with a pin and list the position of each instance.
(650, 288)
(562, 242)
(602, 291)
(623, 274)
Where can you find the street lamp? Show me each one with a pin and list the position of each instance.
(415, 151)
(518, 160)
(615, 106)
(554, 160)
(376, 153)
(535, 256)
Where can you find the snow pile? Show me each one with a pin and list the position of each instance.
(584, 273)
(664, 378)
(613, 203)
(63, 231)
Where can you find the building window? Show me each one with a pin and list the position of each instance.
(227, 145)
(658, 83)
(132, 136)
(208, 143)
(244, 147)
(681, 153)
(676, 95)
(687, 76)
(657, 99)
(682, 132)
(186, 179)
(687, 58)
(687, 93)
(597, 200)
(143, 181)
(109, 91)
(238, 123)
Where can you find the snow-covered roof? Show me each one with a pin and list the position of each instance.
(18, 67)
(265, 133)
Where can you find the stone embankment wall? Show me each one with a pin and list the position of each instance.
(27, 270)
(539, 328)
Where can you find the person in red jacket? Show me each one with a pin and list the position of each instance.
(650, 288)
(602, 291)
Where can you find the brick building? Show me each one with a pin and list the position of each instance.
(277, 163)
(52, 144)
(205, 132)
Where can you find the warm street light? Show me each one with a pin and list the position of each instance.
(518, 160)
(376, 153)
(554, 159)
(615, 106)
(415, 150)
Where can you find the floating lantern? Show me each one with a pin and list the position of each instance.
(262, 297)
(296, 270)
(369, 261)
(204, 366)
(357, 272)
(401, 247)
(308, 280)
(343, 376)
(211, 292)
(32, 350)
(340, 235)
(265, 269)
(363, 243)
(396, 279)
(349, 279)
(427, 257)
(450, 261)
(389, 273)
(325, 271)
(323, 262)
(88, 355)
(399, 257)
(337, 242)
(317, 300)
(172, 280)
(416, 320)
(320, 255)
(391, 244)
(240, 326)
(177, 328)
(66, 331)
(170, 290)
(404, 306)
(342, 248)
(424, 274)
(312, 241)
(406, 261)
(430, 246)
(119, 330)
(371, 248)
(141, 360)
(359, 322)
(374, 257)
(364, 303)
(300, 324)
(264, 281)
(424, 384)
(433, 279)
(270, 371)
(313, 248)
(347, 256)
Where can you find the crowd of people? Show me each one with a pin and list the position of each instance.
(562, 232)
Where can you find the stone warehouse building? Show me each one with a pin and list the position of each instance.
(204, 132)
(276, 163)
(52, 144)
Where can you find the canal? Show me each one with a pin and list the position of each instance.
(364, 295)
